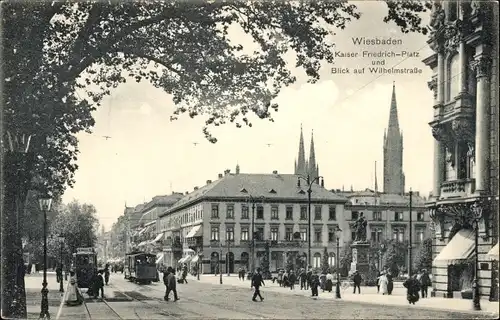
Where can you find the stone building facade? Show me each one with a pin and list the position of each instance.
(464, 39)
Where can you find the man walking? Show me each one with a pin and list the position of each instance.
(425, 282)
(257, 281)
(357, 281)
(171, 284)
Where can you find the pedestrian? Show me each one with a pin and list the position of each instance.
(308, 277)
(59, 273)
(314, 283)
(257, 281)
(425, 283)
(390, 283)
(412, 286)
(171, 284)
(382, 283)
(106, 273)
(302, 279)
(329, 281)
(322, 281)
(357, 281)
(291, 279)
(166, 272)
(98, 285)
(184, 273)
(379, 274)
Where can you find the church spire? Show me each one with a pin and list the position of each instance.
(312, 159)
(376, 183)
(393, 113)
(301, 167)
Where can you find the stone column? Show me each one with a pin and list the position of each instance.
(462, 80)
(481, 66)
(440, 78)
(438, 167)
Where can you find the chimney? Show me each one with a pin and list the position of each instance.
(220, 175)
(322, 183)
(195, 188)
(226, 172)
(275, 172)
(187, 192)
(209, 181)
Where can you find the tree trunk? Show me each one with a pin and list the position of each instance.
(17, 169)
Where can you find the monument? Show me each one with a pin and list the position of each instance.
(360, 247)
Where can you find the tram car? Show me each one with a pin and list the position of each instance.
(85, 266)
(140, 267)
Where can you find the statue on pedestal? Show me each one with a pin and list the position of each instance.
(360, 227)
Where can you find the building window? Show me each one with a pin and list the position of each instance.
(398, 216)
(452, 83)
(317, 260)
(317, 212)
(288, 233)
(331, 235)
(260, 212)
(376, 234)
(317, 235)
(354, 215)
(215, 211)
(244, 211)
(398, 234)
(244, 233)
(331, 259)
(230, 211)
(420, 235)
(260, 234)
(377, 216)
(289, 213)
(303, 213)
(214, 234)
(353, 235)
(274, 213)
(332, 213)
(230, 233)
(274, 234)
(303, 234)
(420, 216)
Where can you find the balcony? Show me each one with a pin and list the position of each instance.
(457, 188)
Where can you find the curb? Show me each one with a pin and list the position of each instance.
(63, 298)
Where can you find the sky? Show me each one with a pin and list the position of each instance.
(148, 155)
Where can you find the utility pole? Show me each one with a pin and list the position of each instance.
(410, 242)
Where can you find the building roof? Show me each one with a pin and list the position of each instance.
(269, 186)
(386, 198)
(163, 200)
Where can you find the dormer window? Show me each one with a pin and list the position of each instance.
(302, 191)
(272, 191)
(244, 190)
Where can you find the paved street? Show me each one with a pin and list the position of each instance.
(33, 284)
(203, 299)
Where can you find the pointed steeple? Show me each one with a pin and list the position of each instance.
(301, 166)
(393, 126)
(312, 158)
(237, 168)
(376, 183)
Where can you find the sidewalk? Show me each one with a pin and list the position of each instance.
(368, 295)
(33, 285)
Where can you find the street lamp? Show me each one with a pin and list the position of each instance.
(338, 232)
(410, 242)
(200, 256)
(220, 265)
(252, 243)
(228, 256)
(61, 241)
(45, 203)
(309, 184)
(477, 213)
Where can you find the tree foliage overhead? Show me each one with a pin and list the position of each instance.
(53, 49)
(423, 260)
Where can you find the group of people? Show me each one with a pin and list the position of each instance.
(310, 279)
(416, 285)
(98, 281)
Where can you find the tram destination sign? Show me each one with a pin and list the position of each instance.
(85, 250)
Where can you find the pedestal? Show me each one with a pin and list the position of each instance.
(360, 257)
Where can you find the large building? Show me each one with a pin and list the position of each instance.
(216, 220)
(464, 39)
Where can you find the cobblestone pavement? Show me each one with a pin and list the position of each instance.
(33, 285)
(199, 299)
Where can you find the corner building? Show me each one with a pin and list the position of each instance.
(215, 222)
(464, 39)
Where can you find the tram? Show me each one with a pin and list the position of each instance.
(85, 266)
(140, 267)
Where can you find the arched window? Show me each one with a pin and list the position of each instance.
(452, 78)
(331, 259)
(317, 260)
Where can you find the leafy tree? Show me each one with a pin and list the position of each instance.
(395, 257)
(423, 260)
(325, 266)
(346, 259)
(51, 49)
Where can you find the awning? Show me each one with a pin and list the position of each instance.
(196, 231)
(186, 259)
(159, 257)
(142, 243)
(158, 238)
(195, 259)
(135, 233)
(143, 230)
(493, 253)
(460, 248)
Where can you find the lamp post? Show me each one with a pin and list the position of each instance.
(309, 182)
(227, 256)
(338, 231)
(252, 243)
(477, 213)
(220, 265)
(61, 242)
(410, 242)
(198, 266)
(45, 206)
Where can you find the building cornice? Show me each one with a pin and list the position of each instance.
(383, 207)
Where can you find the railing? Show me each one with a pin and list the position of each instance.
(457, 188)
